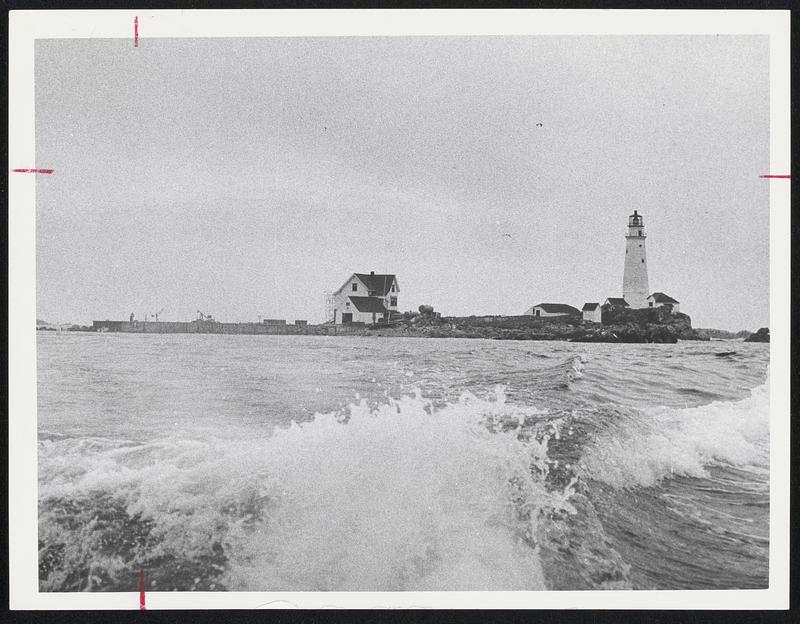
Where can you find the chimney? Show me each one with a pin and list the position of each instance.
(372, 272)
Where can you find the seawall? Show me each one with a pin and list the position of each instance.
(210, 327)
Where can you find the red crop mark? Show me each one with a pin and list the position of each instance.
(782, 177)
(141, 590)
(136, 32)
(32, 170)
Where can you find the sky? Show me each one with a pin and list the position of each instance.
(245, 178)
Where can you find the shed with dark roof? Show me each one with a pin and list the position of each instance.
(592, 312)
(659, 299)
(553, 309)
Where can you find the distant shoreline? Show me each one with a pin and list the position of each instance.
(625, 326)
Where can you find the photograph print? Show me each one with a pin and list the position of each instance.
(403, 313)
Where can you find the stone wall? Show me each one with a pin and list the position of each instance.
(202, 327)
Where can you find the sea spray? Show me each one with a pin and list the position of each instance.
(188, 484)
(398, 496)
(641, 447)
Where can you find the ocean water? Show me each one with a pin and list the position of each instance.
(344, 463)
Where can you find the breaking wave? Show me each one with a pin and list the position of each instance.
(542, 476)
(399, 496)
(640, 448)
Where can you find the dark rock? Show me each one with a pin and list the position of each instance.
(762, 335)
(653, 325)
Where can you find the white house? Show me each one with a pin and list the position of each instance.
(659, 299)
(592, 312)
(365, 298)
(552, 309)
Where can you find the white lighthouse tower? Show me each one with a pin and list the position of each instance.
(634, 281)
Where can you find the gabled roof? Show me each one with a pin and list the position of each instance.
(380, 283)
(617, 301)
(660, 297)
(368, 304)
(587, 307)
(557, 308)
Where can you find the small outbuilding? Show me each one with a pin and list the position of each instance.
(616, 303)
(544, 310)
(659, 300)
(592, 312)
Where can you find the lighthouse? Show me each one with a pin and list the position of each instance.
(634, 281)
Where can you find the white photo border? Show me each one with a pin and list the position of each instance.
(27, 26)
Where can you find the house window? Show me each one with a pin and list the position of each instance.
(537, 312)
(347, 304)
(651, 304)
(392, 287)
(393, 301)
(642, 259)
(355, 287)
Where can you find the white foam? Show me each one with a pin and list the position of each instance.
(660, 442)
(400, 496)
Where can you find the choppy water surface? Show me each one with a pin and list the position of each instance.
(333, 463)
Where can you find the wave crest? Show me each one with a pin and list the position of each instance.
(642, 448)
(399, 496)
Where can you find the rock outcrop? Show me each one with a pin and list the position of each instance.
(658, 325)
(641, 325)
(762, 335)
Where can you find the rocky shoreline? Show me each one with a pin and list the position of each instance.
(649, 325)
(652, 325)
